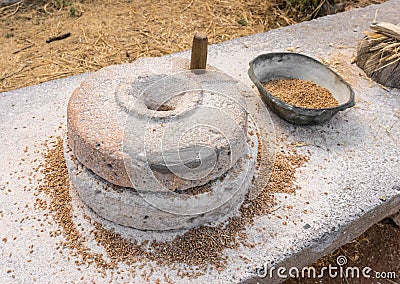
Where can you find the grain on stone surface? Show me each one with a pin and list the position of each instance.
(301, 93)
(198, 247)
(55, 185)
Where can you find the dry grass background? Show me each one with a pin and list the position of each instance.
(113, 32)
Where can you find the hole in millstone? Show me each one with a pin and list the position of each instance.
(109, 166)
(168, 105)
(165, 108)
(145, 217)
(166, 102)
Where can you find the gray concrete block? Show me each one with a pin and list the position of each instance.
(350, 182)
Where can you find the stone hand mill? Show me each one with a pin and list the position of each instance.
(155, 145)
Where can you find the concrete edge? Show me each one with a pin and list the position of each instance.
(329, 242)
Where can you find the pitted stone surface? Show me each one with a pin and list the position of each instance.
(197, 137)
(166, 126)
(96, 123)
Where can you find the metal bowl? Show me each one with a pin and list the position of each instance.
(272, 66)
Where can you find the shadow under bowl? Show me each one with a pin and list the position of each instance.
(288, 65)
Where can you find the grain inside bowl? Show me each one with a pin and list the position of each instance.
(301, 93)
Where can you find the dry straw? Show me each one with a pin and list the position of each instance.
(103, 33)
(378, 54)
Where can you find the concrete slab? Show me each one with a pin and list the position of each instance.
(351, 181)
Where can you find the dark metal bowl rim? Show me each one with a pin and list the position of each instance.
(282, 104)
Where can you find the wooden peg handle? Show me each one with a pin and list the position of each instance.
(199, 51)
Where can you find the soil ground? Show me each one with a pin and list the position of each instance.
(101, 33)
(378, 248)
(118, 31)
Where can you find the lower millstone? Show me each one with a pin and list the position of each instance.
(127, 207)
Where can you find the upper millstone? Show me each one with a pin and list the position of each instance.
(154, 117)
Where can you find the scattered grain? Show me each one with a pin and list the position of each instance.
(198, 247)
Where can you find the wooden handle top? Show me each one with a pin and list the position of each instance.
(199, 51)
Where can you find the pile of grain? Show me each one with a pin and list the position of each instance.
(301, 93)
(55, 184)
(198, 247)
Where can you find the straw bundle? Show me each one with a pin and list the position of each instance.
(378, 54)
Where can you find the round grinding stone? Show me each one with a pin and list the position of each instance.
(154, 146)
(188, 127)
(127, 207)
